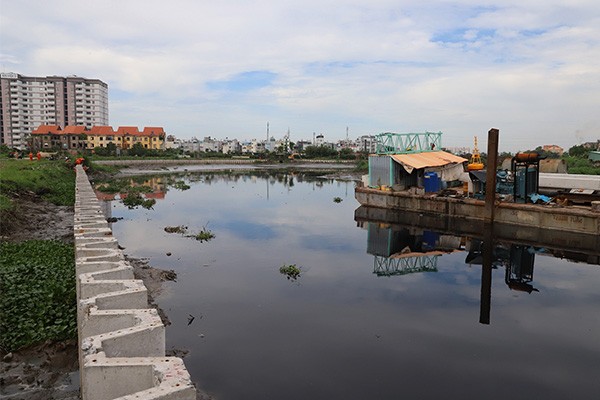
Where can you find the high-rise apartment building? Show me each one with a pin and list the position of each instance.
(28, 102)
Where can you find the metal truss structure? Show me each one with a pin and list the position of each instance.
(405, 143)
(384, 266)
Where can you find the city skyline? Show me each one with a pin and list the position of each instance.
(530, 69)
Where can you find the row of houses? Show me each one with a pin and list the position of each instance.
(79, 137)
(365, 143)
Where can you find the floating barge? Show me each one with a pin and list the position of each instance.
(404, 164)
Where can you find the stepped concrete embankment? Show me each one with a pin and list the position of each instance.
(121, 339)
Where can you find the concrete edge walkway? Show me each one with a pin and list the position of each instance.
(121, 340)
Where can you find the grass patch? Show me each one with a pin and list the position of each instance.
(203, 236)
(37, 293)
(50, 179)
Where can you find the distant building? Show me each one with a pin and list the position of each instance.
(366, 143)
(191, 146)
(319, 140)
(231, 147)
(29, 102)
(552, 148)
(592, 145)
(149, 138)
(210, 145)
(301, 145)
(52, 137)
(459, 150)
(171, 142)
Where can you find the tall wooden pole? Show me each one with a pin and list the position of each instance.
(490, 180)
(488, 231)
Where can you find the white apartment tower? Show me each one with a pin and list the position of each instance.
(28, 102)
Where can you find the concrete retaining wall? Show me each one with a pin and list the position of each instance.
(121, 340)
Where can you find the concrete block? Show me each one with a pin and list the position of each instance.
(97, 266)
(147, 340)
(97, 322)
(121, 340)
(136, 378)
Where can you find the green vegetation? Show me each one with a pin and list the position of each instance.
(362, 166)
(291, 272)
(37, 293)
(203, 236)
(581, 165)
(337, 199)
(578, 161)
(181, 185)
(50, 179)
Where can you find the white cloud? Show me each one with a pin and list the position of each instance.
(524, 67)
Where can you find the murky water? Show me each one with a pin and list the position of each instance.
(379, 311)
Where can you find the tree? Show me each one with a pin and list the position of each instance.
(578, 151)
(347, 154)
(137, 150)
(319, 151)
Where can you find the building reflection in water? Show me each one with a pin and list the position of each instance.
(404, 248)
(405, 251)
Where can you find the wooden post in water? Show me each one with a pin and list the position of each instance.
(490, 179)
(485, 302)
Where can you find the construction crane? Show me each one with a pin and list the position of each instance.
(475, 163)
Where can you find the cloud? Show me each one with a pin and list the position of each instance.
(224, 68)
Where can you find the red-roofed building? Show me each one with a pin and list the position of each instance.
(77, 137)
(552, 148)
(52, 137)
(101, 136)
(149, 138)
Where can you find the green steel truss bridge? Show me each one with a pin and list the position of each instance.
(405, 143)
(384, 266)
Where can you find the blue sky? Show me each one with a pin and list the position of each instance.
(226, 68)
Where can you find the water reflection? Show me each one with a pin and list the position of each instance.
(409, 247)
(358, 323)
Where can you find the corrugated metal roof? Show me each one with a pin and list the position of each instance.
(427, 159)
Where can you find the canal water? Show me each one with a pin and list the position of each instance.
(378, 311)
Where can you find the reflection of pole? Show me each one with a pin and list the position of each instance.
(490, 179)
(486, 275)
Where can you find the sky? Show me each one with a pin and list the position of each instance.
(530, 68)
